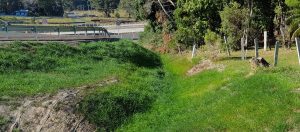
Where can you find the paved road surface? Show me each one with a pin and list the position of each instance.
(122, 29)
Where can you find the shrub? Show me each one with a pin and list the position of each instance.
(213, 44)
(151, 38)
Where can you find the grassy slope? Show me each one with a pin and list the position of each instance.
(230, 100)
(28, 69)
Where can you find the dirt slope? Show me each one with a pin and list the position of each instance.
(50, 113)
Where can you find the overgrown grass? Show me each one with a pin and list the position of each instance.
(31, 68)
(156, 96)
(111, 107)
(3, 122)
(232, 100)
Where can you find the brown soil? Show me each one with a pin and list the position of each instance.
(204, 65)
(50, 113)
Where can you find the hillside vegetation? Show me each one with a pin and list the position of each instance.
(154, 93)
(40, 68)
(236, 99)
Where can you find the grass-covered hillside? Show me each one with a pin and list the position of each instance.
(154, 92)
(236, 99)
(31, 68)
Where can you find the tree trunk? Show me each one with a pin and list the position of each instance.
(107, 13)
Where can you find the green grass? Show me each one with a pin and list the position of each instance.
(31, 68)
(154, 94)
(3, 122)
(225, 101)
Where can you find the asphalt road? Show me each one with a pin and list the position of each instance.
(113, 29)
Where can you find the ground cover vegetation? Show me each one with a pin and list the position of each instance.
(28, 69)
(236, 99)
(154, 91)
(154, 94)
(56, 65)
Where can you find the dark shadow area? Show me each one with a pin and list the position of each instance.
(232, 58)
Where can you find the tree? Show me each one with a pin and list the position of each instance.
(10, 6)
(51, 7)
(294, 17)
(234, 22)
(128, 6)
(107, 6)
(194, 17)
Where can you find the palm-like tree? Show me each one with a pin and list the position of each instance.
(294, 18)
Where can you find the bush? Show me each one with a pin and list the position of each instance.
(151, 38)
(213, 44)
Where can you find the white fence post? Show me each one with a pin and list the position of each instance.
(194, 51)
(256, 47)
(265, 40)
(298, 47)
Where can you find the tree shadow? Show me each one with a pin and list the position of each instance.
(233, 58)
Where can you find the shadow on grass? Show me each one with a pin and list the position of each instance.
(232, 58)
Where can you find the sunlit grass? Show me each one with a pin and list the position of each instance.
(231, 100)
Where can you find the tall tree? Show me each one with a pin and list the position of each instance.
(294, 17)
(51, 7)
(128, 6)
(194, 17)
(107, 6)
(10, 6)
(235, 21)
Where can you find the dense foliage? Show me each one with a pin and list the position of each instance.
(234, 22)
(193, 18)
(294, 18)
(246, 19)
(107, 6)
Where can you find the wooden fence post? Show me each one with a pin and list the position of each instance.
(256, 48)
(276, 53)
(298, 47)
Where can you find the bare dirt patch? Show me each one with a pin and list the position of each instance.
(50, 113)
(205, 65)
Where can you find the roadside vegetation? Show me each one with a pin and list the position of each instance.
(48, 67)
(236, 99)
(154, 91)
(154, 94)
